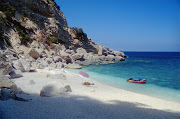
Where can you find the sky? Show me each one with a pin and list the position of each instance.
(127, 25)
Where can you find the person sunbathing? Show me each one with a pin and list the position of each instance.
(87, 83)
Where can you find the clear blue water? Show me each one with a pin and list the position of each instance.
(161, 69)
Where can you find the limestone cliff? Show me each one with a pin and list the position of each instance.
(35, 34)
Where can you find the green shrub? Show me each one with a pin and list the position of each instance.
(7, 40)
(8, 10)
(25, 40)
(53, 39)
(4, 39)
(79, 32)
(24, 12)
(3, 20)
(22, 18)
(23, 37)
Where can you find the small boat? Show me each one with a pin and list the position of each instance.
(137, 80)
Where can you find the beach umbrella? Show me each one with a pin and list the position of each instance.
(84, 74)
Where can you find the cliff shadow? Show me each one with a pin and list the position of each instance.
(78, 107)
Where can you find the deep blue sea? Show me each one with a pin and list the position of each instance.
(161, 69)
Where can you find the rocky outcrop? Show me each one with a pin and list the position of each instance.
(40, 38)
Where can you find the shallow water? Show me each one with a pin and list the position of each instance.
(161, 69)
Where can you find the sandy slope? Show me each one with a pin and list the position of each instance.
(92, 102)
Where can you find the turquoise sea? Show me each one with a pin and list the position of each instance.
(161, 69)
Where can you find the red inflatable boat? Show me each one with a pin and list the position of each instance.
(137, 80)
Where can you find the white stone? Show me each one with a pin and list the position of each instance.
(15, 74)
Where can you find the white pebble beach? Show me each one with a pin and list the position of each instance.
(99, 101)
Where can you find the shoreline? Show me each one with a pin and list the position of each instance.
(85, 97)
(157, 94)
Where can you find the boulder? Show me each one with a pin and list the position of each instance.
(5, 65)
(26, 65)
(81, 51)
(110, 58)
(59, 65)
(16, 90)
(42, 64)
(73, 66)
(86, 62)
(118, 58)
(118, 53)
(89, 57)
(15, 74)
(57, 59)
(65, 56)
(35, 53)
(95, 59)
(53, 66)
(11, 54)
(18, 65)
(102, 58)
(77, 56)
(49, 91)
(34, 65)
(69, 51)
(54, 90)
(66, 88)
(122, 59)
(49, 60)
(5, 82)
